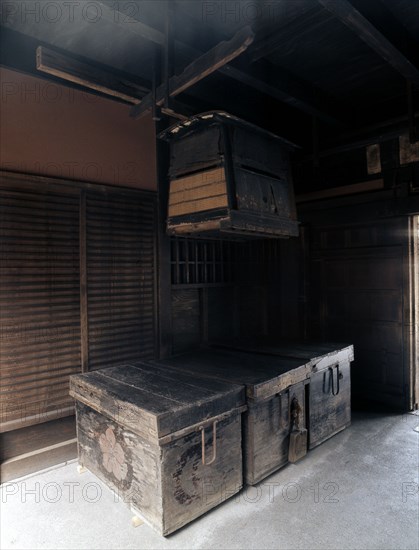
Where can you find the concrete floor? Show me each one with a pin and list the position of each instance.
(358, 490)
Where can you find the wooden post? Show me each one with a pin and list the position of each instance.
(84, 318)
(411, 112)
(164, 292)
(315, 134)
(169, 50)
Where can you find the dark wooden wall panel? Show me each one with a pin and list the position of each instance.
(186, 319)
(221, 312)
(253, 310)
(360, 294)
(224, 289)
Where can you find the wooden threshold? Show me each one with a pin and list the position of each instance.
(35, 461)
(34, 448)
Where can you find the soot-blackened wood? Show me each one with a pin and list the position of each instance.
(262, 375)
(328, 365)
(186, 319)
(142, 395)
(163, 276)
(228, 176)
(320, 355)
(366, 31)
(202, 67)
(267, 427)
(169, 444)
(167, 485)
(329, 402)
(84, 315)
(88, 75)
(271, 385)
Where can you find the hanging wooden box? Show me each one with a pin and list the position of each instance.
(229, 177)
(168, 444)
(329, 406)
(271, 386)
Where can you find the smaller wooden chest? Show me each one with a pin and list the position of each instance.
(273, 386)
(169, 444)
(329, 405)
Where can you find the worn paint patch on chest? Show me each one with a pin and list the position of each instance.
(113, 458)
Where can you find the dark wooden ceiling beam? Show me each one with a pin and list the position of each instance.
(357, 22)
(88, 75)
(282, 87)
(274, 83)
(206, 64)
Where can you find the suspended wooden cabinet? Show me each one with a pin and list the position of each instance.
(229, 177)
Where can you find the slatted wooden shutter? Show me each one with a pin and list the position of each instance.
(39, 304)
(77, 289)
(120, 232)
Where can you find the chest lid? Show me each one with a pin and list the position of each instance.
(319, 355)
(152, 401)
(264, 375)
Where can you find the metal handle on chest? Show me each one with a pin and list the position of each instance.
(332, 381)
(214, 443)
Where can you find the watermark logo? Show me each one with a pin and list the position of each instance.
(245, 12)
(291, 492)
(410, 490)
(43, 92)
(68, 11)
(71, 492)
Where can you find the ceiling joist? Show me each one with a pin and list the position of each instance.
(393, 54)
(286, 89)
(206, 64)
(88, 75)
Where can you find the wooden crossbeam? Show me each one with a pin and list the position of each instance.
(286, 89)
(87, 75)
(206, 64)
(346, 12)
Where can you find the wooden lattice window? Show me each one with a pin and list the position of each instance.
(209, 262)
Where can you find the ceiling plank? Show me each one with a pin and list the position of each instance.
(366, 31)
(87, 75)
(206, 64)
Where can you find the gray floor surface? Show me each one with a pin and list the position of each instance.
(359, 490)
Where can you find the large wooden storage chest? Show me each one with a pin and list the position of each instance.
(274, 387)
(168, 443)
(329, 404)
(229, 177)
